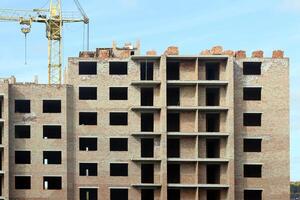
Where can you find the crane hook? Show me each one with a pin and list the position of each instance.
(26, 30)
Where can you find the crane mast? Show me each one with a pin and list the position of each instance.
(54, 19)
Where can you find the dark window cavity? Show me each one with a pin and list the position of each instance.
(213, 174)
(173, 122)
(147, 194)
(212, 122)
(212, 71)
(88, 169)
(252, 145)
(146, 96)
(22, 157)
(213, 148)
(213, 194)
(118, 169)
(118, 194)
(173, 148)
(147, 122)
(51, 132)
(118, 144)
(173, 173)
(147, 147)
(88, 144)
(52, 157)
(52, 183)
(22, 131)
(51, 106)
(118, 118)
(88, 193)
(252, 119)
(252, 171)
(22, 106)
(212, 96)
(173, 70)
(252, 194)
(252, 68)
(173, 96)
(88, 93)
(252, 94)
(147, 172)
(174, 194)
(87, 68)
(146, 71)
(22, 182)
(87, 118)
(118, 68)
(118, 93)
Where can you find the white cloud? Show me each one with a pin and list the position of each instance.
(290, 5)
(129, 3)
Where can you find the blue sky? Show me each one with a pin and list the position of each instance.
(193, 25)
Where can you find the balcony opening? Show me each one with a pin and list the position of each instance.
(252, 94)
(88, 118)
(173, 70)
(22, 182)
(1, 132)
(22, 131)
(118, 169)
(174, 194)
(118, 68)
(147, 173)
(88, 169)
(147, 194)
(52, 157)
(213, 174)
(252, 194)
(213, 194)
(52, 183)
(173, 173)
(173, 122)
(1, 107)
(118, 144)
(22, 157)
(88, 144)
(22, 106)
(87, 68)
(252, 145)
(251, 68)
(118, 93)
(88, 193)
(212, 122)
(118, 194)
(118, 119)
(252, 171)
(147, 147)
(146, 70)
(212, 96)
(51, 106)
(173, 148)
(147, 97)
(213, 148)
(51, 132)
(147, 122)
(212, 71)
(173, 96)
(252, 119)
(87, 93)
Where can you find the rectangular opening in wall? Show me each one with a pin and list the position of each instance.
(212, 122)
(146, 96)
(87, 93)
(173, 147)
(118, 144)
(22, 157)
(147, 147)
(22, 131)
(146, 70)
(118, 68)
(252, 145)
(213, 174)
(22, 182)
(173, 122)
(88, 169)
(147, 173)
(22, 106)
(173, 173)
(147, 194)
(88, 144)
(118, 93)
(173, 70)
(87, 68)
(147, 122)
(174, 194)
(118, 169)
(213, 148)
(51, 106)
(252, 171)
(252, 194)
(252, 119)
(1, 106)
(252, 93)
(212, 96)
(88, 193)
(52, 157)
(118, 118)
(118, 194)
(51, 132)
(52, 182)
(88, 118)
(173, 96)
(251, 68)
(213, 194)
(212, 71)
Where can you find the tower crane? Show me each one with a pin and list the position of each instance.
(54, 20)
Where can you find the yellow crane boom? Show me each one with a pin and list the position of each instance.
(54, 19)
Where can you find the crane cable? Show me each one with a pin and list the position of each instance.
(25, 48)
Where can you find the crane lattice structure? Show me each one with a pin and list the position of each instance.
(54, 19)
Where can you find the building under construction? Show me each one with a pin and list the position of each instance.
(209, 126)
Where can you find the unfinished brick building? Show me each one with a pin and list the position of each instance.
(213, 126)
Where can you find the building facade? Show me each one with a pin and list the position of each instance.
(213, 126)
